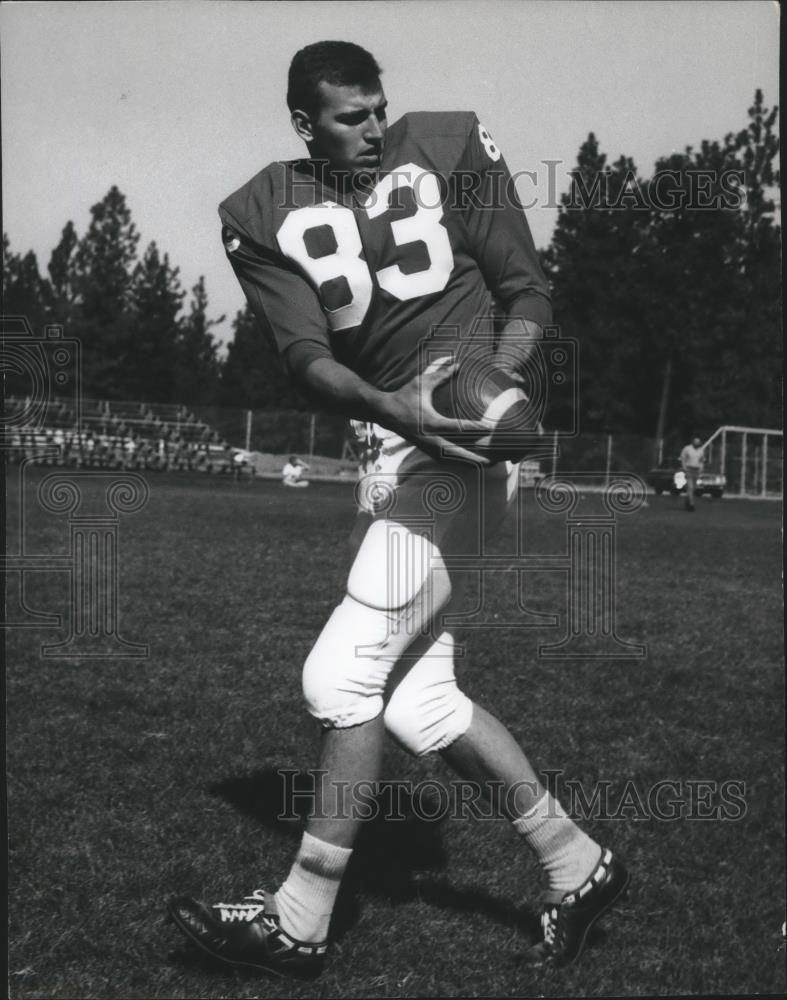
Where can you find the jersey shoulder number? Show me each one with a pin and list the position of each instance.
(488, 143)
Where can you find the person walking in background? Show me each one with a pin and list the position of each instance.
(692, 460)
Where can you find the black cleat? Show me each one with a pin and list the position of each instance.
(566, 919)
(247, 935)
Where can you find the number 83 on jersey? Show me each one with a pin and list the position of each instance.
(346, 264)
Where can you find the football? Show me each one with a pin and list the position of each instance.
(481, 389)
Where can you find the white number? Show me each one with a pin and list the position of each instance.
(488, 143)
(424, 226)
(345, 262)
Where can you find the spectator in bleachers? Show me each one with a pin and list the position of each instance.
(103, 449)
(68, 447)
(117, 435)
(17, 451)
(130, 448)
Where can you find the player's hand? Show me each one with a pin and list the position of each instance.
(411, 413)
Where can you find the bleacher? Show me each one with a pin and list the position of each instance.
(113, 434)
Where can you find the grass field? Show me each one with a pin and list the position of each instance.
(131, 779)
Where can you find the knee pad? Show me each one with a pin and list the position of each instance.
(427, 712)
(395, 567)
(345, 674)
(396, 581)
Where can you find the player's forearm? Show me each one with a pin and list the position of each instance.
(341, 389)
(517, 341)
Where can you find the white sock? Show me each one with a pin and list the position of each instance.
(567, 855)
(305, 900)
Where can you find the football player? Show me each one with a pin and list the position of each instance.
(368, 264)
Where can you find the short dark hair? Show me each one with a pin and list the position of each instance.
(342, 64)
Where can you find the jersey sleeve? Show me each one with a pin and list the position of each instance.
(498, 231)
(283, 302)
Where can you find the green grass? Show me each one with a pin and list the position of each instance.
(129, 780)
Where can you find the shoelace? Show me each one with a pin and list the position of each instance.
(549, 926)
(258, 896)
(248, 910)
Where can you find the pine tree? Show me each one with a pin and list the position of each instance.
(671, 285)
(198, 368)
(589, 264)
(150, 353)
(25, 292)
(98, 274)
(253, 376)
(724, 248)
(62, 265)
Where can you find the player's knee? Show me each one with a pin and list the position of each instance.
(345, 673)
(427, 712)
(394, 566)
(398, 581)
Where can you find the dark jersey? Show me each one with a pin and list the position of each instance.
(370, 279)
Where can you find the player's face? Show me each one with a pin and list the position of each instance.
(349, 130)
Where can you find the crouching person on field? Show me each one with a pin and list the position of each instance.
(292, 473)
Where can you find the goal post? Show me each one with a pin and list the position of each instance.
(750, 458)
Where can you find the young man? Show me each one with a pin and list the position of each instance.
(692, 460)
(357, 262)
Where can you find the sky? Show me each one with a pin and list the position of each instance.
(180, 102)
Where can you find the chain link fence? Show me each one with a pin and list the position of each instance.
(285, 432)
(146, 436)
(280, 432)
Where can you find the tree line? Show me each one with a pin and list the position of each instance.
(670, 284)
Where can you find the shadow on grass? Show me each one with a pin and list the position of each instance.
(396, 854)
